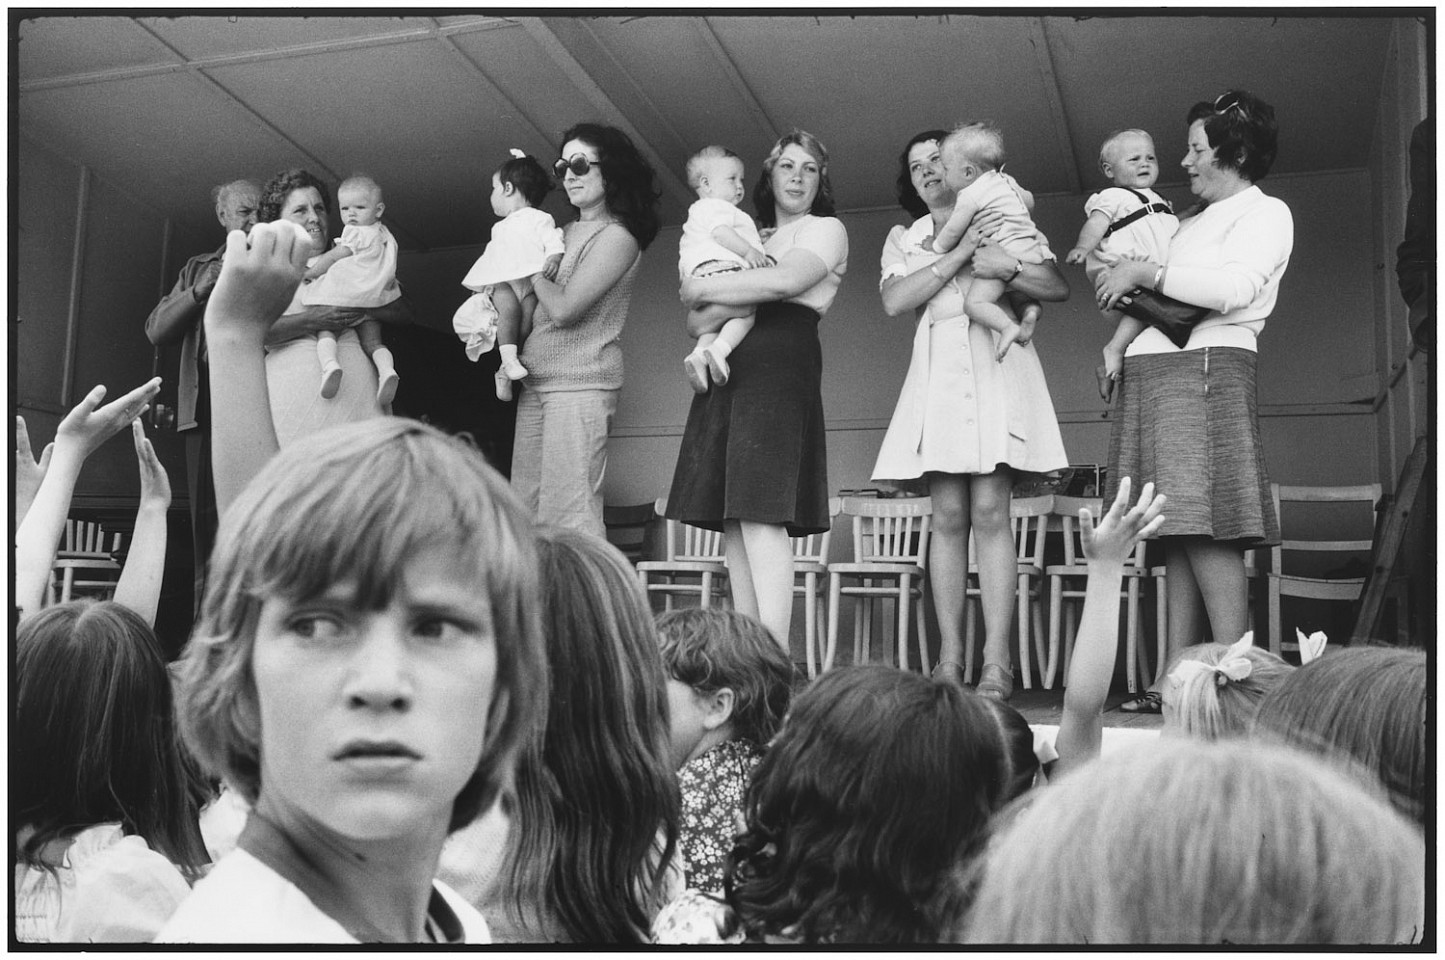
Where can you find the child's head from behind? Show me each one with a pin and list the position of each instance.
(1213, 691)
(1200, 843)
(359, 201)
(879, 783)
(716, 173)
(396, 571)
(971, 150)
(1127, 159)
(519, 182)
(727, 679)
(1367, 704)
(94, 732)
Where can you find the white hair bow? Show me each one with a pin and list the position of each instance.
(1310, 647)
(1234, 665)
(519, 154)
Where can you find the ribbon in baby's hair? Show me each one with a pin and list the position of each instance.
(519, 154)
(1234, 665)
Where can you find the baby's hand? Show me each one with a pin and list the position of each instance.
(553, 264)
(259, 276)
(313, 272)
(756, 258)
(1076, 255)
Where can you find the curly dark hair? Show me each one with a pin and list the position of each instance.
(279, 187)
(880, 784)
(1242, 131)
(764, 203)
(908, 197)
(629, 183)
(532, 181)
(713, 649)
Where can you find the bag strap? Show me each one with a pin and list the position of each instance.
(1149, 207)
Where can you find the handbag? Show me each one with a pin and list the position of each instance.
(1174, 317)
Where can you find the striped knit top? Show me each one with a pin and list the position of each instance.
(585, 355)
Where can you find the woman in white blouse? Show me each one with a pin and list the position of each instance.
(1186, 419)
(753, 461)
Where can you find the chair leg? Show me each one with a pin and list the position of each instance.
(1161, 628)
(1036, 610)
(922, 632)
(1026, 672)
(903, 596)
(810, 620)
(706, 590)
(1056, 599)
(835, 599)
(1274, 618)
(1131, 631)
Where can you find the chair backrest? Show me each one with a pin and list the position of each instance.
(628, 528)
(686, 542)
(813, 548)
(84, 538)
(1068, 508)
(1029, 517)
(1365, 495)
(890, 531)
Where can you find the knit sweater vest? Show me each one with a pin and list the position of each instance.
(584, 355)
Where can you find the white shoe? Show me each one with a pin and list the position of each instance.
(330, 380)
(504, 385)
(386, 391)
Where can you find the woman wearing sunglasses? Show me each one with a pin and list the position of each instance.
(572, 354)
(1185, 418)
(753, 462)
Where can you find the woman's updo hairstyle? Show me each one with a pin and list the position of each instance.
(527, 175)
(908, 197)
(279, 187)
(1242, 131)
(629, 183)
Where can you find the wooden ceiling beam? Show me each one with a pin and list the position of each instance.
(1054, 98)
(754, 107)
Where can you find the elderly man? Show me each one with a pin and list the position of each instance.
(177, 318)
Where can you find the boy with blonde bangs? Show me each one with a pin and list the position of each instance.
(1126, 220)
(717, 238)
(973, 159)
(359, 271)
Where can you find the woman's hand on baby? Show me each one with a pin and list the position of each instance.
(1113, 282)
(259, 276)
(1113, 539)
(993, 262)
(89, 425)
(155, 484)
(552, 266)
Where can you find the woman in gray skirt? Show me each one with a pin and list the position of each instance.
(1185, 418)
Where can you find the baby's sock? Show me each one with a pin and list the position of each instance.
(695, 365)
(717, 360)
(511, 366)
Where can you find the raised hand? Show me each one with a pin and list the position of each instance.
(29, 472)
(259, 276)
(1113, 539)
(89, 424)
(155, 483)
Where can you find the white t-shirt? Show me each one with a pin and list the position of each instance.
(826, 239)
(1146, 238)
(697, 245)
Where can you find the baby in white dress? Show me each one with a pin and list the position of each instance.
(526, 241)
(1126, 220)
(717, 238)
(359, 271)
(973, 158)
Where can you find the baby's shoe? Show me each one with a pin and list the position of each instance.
(330, 380)
(513, 369)
(504, 385)
(386, 390)
(717, 365)
(695, 365)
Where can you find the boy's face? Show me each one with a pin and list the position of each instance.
(372, 721)
(360, 206)
(958, 171)
(722, 179)
(1132, 163)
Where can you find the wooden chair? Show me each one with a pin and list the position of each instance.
(694, 564)
(1067, 582)
(1029, 517)
(85, 565)
(629, 529)
(810, 570)
(890, 550)
(1293, 584)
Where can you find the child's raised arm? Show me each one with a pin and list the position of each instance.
(963, 212)
(1106, 547)
(258, 277)
(82, 431)
(1089, 236)
(29, 472)
(145, 564)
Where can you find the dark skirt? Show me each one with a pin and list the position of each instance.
(1188, 422)
(755, 449)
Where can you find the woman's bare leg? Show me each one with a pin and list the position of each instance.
(993, 539)
(948, 560)
(770, 564)
(740, 576)
(1219, 571)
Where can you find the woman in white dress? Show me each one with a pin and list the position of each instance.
(965, 423)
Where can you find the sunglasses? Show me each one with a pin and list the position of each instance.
(579, 165)
(1226, 102)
